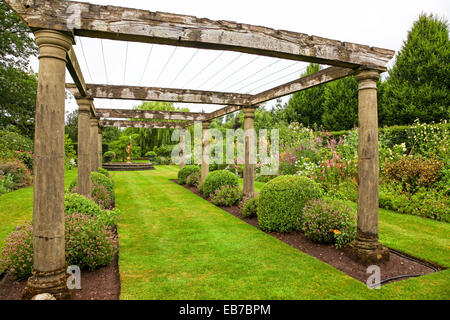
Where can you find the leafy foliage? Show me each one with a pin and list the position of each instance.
(419, 82)
(281, 202)
(17, 173)
(227, 196)
(250, 208)
(194, 179)
(186, 171)
(328, 221)
(217, 179)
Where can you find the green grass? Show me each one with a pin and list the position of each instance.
(176, 245)
(17, 207)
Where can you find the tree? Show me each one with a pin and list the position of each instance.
(71, 128)
(17, 82)
(306, 106)
(419, 83)
(340, 106)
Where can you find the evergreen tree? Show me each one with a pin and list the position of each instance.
(340, 108)
(306, 106)
(419, 83)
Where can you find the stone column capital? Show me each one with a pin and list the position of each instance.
(249, 112)
(367, 78)
(53, 44)
(84, 104)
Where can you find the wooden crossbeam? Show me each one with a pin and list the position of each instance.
(309, 81)
(111, 22)
(142, 124)
(152, 114)
(222, 112)
(162, 94)
(75, 71)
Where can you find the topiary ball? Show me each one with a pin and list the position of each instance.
(217, 179)
(281, 202)
(187, 171)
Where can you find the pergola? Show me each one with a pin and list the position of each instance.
(55, 23)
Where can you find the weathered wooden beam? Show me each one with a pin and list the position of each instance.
(162, 94)
(142, 124)
(151, 114)
(111, 22)
(222, 112)
(309, 81)
(74, 69)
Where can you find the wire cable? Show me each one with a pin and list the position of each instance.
(165, 66)
(184, 67)
(125, 66)
(146, 64)
(285, 76)
(267, 76)
(232, 74)
(85, 60)
(218, 72)
(104, 62)
(254, 74)
(214, 60)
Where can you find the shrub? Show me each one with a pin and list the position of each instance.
(102, 190)
(18, 172)
(109, 155)
(17, 252)
(328, 221)
(413, 173)
(26, 157)
(186, 171)
(100, 179)
(250, 207)
(282, 200)
(194, 179)
(227, 196)
(104, 172)
(89, 243)
(6, 182)
(76, 203)
(11, 141)
(217, 179)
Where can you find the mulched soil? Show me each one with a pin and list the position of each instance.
(396, 266)
(100, 284)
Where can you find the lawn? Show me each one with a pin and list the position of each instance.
(17, 207)
(176, 245)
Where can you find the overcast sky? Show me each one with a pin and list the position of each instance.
(380, 23)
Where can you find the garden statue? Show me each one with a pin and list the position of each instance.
(129, 151)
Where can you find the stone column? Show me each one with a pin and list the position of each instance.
(366, 247)
(100, 146)
(84, 133)
(205, 149)
(182, 148)
(249, 148)
(49, 268)
(93, 154)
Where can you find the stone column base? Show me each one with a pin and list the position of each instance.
(367, 250)
(53, 282)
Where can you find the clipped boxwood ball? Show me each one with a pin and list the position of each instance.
(186, 171)
(217, 179)
(281, 202)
